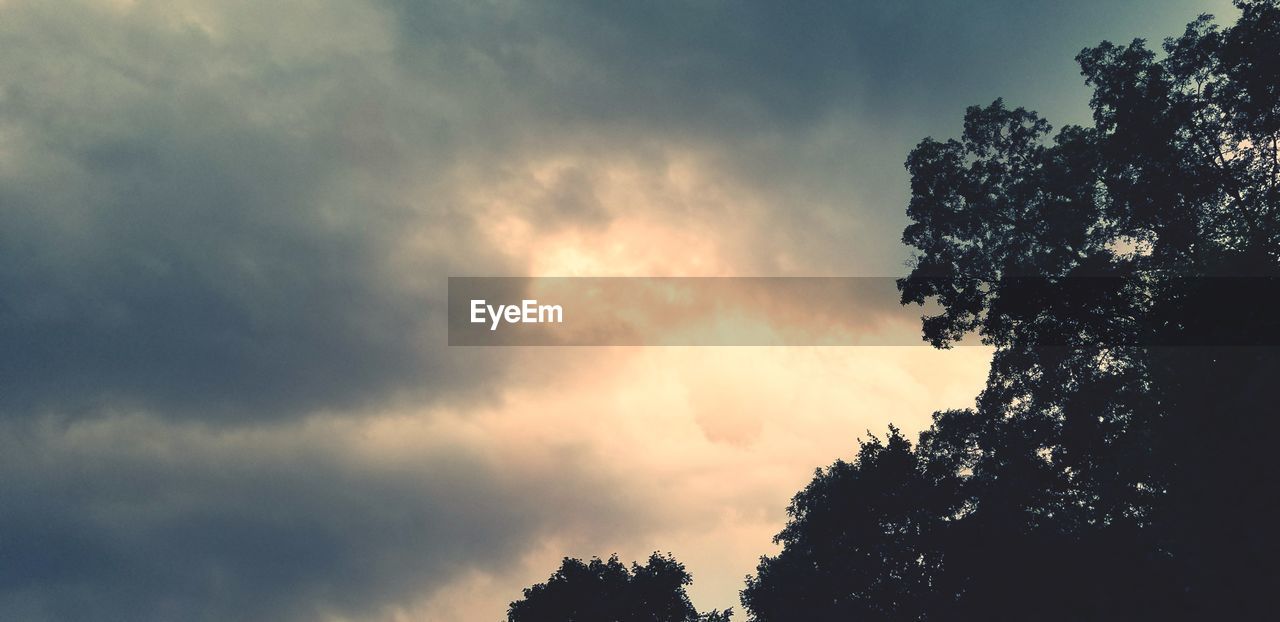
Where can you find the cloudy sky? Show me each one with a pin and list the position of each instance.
(225, 232)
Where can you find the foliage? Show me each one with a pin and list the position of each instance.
(1116, 464)
(608, 591)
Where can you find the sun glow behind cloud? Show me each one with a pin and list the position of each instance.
(615, 216)
(701, 447)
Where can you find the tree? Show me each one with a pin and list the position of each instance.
(860, 542)
(608, 591)
(1118, 463)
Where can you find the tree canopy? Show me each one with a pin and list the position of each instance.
(608, 591)
(1117, 464)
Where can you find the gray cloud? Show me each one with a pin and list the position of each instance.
(191, 226)
(132, 518)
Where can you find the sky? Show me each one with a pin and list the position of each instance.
(225, 235)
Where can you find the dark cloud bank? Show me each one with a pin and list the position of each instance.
(110, 522)
(198, 218)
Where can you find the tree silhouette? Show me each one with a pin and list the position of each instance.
(1118, 463)
(860, 541)
(608, 591)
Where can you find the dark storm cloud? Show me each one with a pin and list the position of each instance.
(708, 65)
(137, 519)
(192, 226)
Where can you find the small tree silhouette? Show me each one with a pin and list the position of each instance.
(608, 591)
